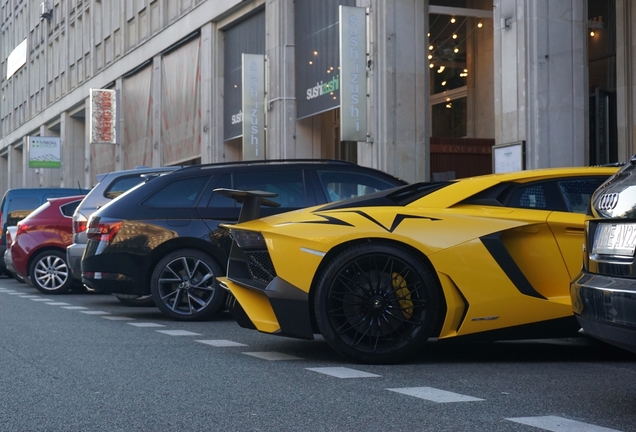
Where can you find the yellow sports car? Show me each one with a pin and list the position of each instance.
(377, 276)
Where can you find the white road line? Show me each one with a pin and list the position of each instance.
(272, 356)
(15, 293)
(146, 324)
(178, 332)
(89, 312)
(559, 424)
(118, 318)
(343, 372)
(42, 299)
(221, 343)
(435, 395)
(58, 304)
(4, 290)
(29, 296)
(74, 307)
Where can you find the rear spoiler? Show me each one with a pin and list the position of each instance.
(252, 201)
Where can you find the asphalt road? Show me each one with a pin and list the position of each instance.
(86, 362)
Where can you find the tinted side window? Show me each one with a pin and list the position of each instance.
(68, 209)
(21, 207)
(121, 185)
(182, 193)
(533, 197)
(288, 184)
(218, 200)
(578, 192)
(339, 185)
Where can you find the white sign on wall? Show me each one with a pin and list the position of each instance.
(508, 157)
(44, 152)
(103, 116)
(253, 107)
(353, 73)
(17, 58)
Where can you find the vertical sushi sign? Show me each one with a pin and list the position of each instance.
(44, 152)
(103, 116)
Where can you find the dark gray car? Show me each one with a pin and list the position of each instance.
(604, 293)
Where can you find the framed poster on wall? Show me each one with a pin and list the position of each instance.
(508, 157)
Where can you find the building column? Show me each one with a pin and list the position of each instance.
(541, 80)
(72, 142)
(119, 112)
(281, 100)
(626, 78)
(205, 65)
(157, 144)
(399, 124)
(86, 149)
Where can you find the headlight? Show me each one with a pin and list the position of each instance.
(248, 239)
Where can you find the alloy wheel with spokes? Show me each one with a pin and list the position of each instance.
(376, 303)
(49, 272)
(184, 286)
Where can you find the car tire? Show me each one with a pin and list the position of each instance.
(376, 303)
(17, 277)
(135, 300)
(49, 272)
(184, 287)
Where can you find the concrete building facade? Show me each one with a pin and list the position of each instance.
(557, 76)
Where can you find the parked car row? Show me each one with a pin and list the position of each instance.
(376, 266)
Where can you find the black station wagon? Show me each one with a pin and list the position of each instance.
(162, 237)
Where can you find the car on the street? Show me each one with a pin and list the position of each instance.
(488, 257)
(162, 238)
(38, 252)
(604, 293)
(8, 261)
(17, 203)
(109, 186)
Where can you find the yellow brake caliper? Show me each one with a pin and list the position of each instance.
(403, 295)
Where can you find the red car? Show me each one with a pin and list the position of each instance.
(39, 250)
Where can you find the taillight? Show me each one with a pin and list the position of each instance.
(79, 224)
(103, 229)
(9, 241)
(22, 228)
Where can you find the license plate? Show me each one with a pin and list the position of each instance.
(615, 239)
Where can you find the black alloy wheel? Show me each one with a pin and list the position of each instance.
(49, 273)
(184, 286)
(136, 300)
(376, 303)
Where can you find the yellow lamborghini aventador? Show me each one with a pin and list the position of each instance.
(489, 257)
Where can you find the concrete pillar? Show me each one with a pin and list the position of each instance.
(626, 78)
(541, 79)
(72, 134)
(119, 157)
(89, 176)
(16, 164)
(399, 123)
(281, 106)
(157, 144)
(205, 65)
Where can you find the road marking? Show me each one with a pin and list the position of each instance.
(559, 424)
(15, 293)
(178, 333)
(343, 372)
(29, 296)
(74, 307)
(435, 395)
(117, 318)
(146, 324)
(4, 290)
(42, 299)
(89, 312)
(272, 356)
(58, 304)
(221, 343)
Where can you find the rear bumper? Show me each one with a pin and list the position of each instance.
(606, 308)
(280, 309)
(113, 283)
(74, 255)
